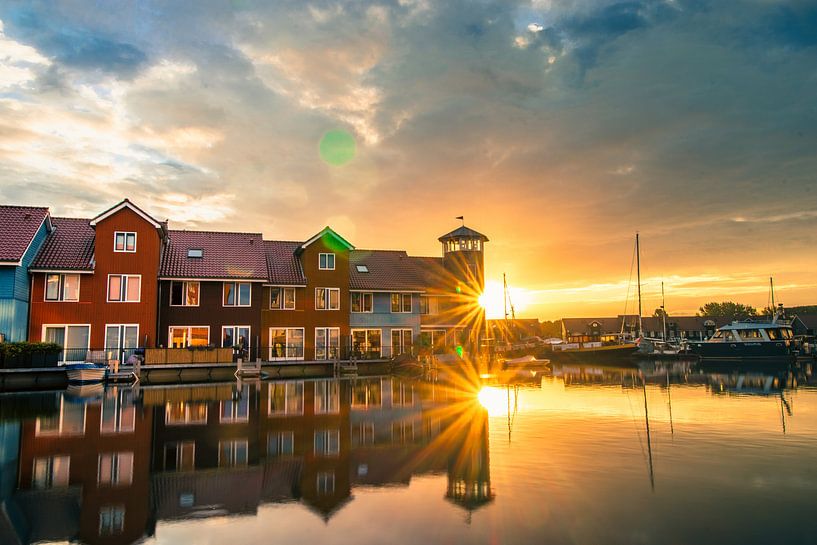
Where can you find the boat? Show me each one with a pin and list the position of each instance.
(749, 341)
(525, 362)
(591, 352)
(86, 372)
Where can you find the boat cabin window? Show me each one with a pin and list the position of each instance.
(787, 333)
(718, 335)
(750, 334)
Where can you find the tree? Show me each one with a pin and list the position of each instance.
(728, 311)
(660, 313)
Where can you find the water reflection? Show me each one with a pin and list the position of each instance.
(576, 453)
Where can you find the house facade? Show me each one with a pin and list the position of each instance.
(23, 229)
(95, 283)
(211, 291)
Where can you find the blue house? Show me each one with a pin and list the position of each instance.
(385, 288)
(23, 230)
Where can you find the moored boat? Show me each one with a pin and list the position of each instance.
(749, 341)
(85, 372)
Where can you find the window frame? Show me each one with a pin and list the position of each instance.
(401, 302)
(287, 330)
(124, 249)
(326, 267)
(283, 291)
(123, 288)
(185, 284)
(235, 329)
(189, 329)
(363, 297)
(328, 298)
(327, 347)
(61, 288)
(237, 299)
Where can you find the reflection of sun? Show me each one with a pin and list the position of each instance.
(493, 299)
(494, 400)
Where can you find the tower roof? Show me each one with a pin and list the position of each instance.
(463, 232)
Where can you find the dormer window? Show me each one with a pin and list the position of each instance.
(197, 253)
(362, 269)
(326, 262)
(124, 242)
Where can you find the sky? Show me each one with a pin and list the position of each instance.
(557, 128)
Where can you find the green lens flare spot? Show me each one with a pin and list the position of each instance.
(459, 288)
(459, 350)
(337, 147)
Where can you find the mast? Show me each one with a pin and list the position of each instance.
(638, 267)
(505, 293)
(663, 314)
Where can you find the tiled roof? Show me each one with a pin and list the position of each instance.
(18, 225)
(69, 247)
(461, 232)
(283, 265)
(387, 269)
(431, 271)
(606, 325)
(225, 255)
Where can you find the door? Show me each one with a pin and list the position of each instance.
(121, 341)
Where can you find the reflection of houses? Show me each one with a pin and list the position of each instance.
(610, 329)
(83, 472)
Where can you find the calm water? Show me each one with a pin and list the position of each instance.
(579, 455)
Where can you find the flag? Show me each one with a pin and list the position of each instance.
(459, 218)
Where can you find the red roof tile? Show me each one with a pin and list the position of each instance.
(69, 247)
(387, 270)
(283, 265)
(225, 255)
(18, 226)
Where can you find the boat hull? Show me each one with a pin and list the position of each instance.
(766, 351)
(85, 373)
(609, 354)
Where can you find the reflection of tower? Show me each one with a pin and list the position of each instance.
(463, 258)
(469, 469)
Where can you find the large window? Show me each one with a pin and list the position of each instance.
(327, 397)
(184, 294)
(51, 472)
(362, 302)
(124, 242)
(281, 298)
(235, 336)
(121, 341)
(286, 343)
(285, 399)
(326, 262)
(180, 456)
(62, 287)
(235, 410)
(366, 342)
(429, 305)
(232, 453)
(186, 413)
(401, 302)
(327, 442)
(124, 288)
(325, 483)
(118, 412)
(327, 298)
(280, 443)
(185, 336)
(70, 421)
(237, 294)
(111, 520)
(327, 343)
(115, 469)
(401, 341)
(74, 340)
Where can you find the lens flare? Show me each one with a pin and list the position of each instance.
(494, 400)
(337, 147)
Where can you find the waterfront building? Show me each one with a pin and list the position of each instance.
(94, 283)
(610, 329)
(211, 291)
(22, 232)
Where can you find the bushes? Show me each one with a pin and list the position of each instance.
(24, 355)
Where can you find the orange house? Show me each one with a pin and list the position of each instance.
(95, 282)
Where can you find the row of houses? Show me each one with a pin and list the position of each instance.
(123, 281)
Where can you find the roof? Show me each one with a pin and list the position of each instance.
(327, 231)
(431, 270)
(225, 255)
(69, 247)
(606, 325)
(283, 265)
(126, 204)
(388, 270)
(463, 232)
(18, 226)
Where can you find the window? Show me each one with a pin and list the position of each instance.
(327, 343)
(124, 242)
(74, 340)
(285, 399)
(362, 268)
(111, 520)
(429, 305)
(325, 483)
(185, 336)
(366, 394)
(186, 413)
(121, 341)
(237, 294)
(366, 342)
(62, 287)
(327, 298)
(184, 294)
(326, 262)
(118, 412)
(51, 472)
(196, 253)
(232, 453)
(115, 469)
(286, 343)
(327, 397)
(280, 443)
(124, 288)
(401, 341)
(402, 394)
(401, 302)
(327, 443)
(362, 302)
(402, 431)
(69, 421)
(282, 298)
(235, 335)
(363, 434)
(235, 411)
(180, 456)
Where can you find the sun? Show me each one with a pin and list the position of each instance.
(493, 300)
(494, 400)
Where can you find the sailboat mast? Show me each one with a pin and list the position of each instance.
(505, 294)
(663, 314)
(638, 267)
(771, 287)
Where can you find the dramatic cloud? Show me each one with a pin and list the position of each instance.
(557, 128)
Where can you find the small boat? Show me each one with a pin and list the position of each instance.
(85, 372)
(525, 362)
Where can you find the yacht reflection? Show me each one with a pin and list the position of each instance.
(107, 469)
